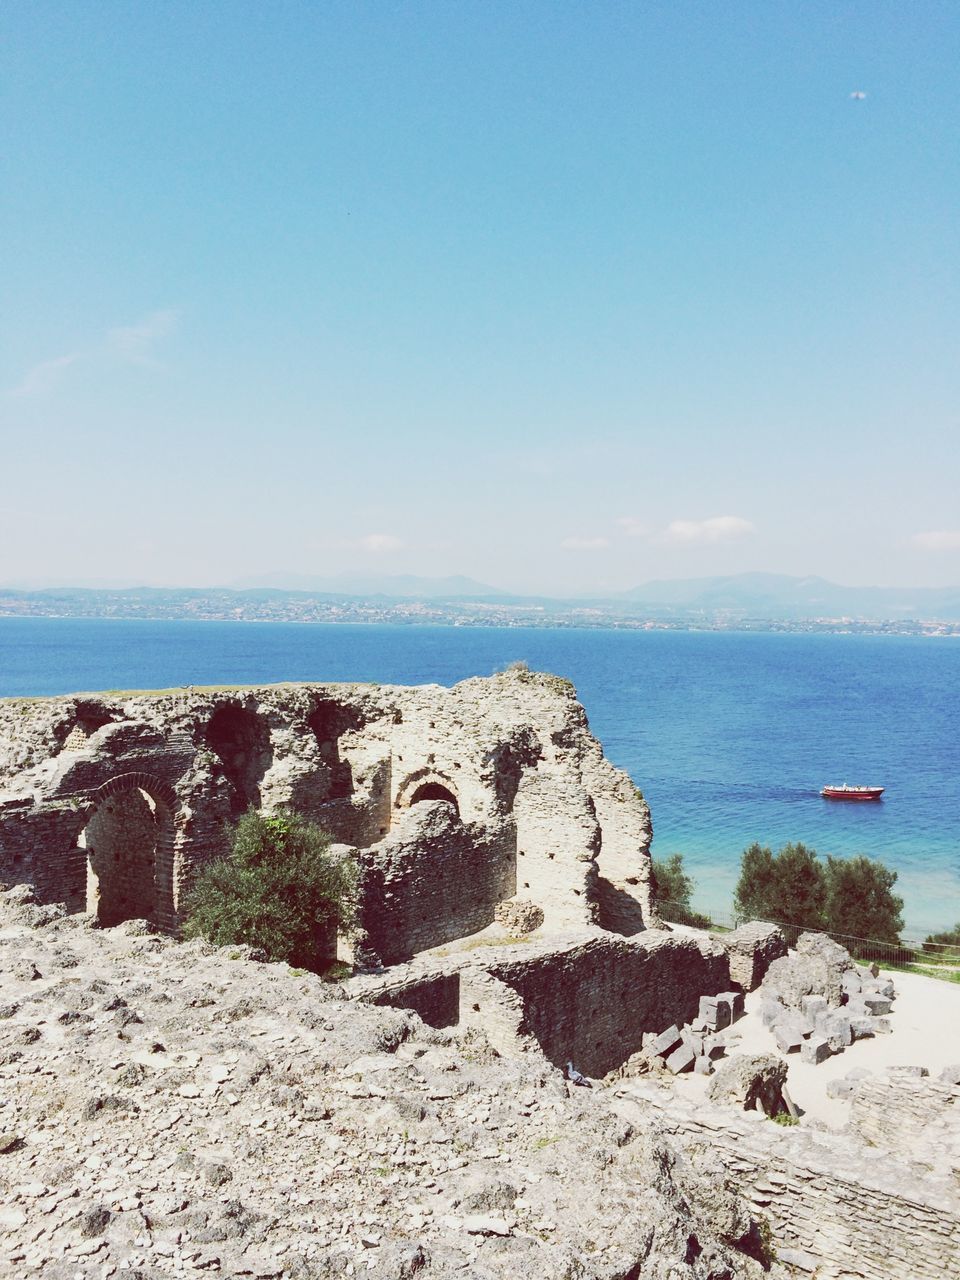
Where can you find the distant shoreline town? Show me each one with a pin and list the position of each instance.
(277, 605)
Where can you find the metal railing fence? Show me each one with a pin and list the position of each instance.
(902, 953)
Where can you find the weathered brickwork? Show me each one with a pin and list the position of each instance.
(432, 880)
(592, 1003)
(534, 809)
(587, 999)
(838, 1209)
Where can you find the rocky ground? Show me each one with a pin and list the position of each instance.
(170, 1109)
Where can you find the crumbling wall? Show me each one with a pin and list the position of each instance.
(588, 999)
(837, 1208)
(433, 879)
(511, 754)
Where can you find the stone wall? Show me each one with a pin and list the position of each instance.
(588, 999)
(432, 880)
(511, 754)
(838, 1209)
(592, 1003)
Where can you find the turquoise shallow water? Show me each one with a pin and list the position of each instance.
(730, 736)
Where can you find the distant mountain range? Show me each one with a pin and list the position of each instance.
(741, 598)
(773, 595)
(406, 586)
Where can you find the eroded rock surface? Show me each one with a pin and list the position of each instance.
(172, 1109)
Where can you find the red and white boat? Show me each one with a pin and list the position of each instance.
(852, 793)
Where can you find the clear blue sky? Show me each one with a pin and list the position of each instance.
(560, 296)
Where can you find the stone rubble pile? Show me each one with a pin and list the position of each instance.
(817, 1000)
(695, 1046)
(173, 1109)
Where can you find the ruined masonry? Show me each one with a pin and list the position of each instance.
(453, 801)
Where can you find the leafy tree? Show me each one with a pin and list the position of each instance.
(790, 885)
(860, 901)
(950, 937)
(674, 890)
(278, 889)
(851, 896)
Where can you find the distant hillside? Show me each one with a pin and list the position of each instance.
(774, 596)
(404, 586)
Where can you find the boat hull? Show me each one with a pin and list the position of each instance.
(852, 793)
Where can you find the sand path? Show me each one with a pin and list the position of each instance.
(926, 1033)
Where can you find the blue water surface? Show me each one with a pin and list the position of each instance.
(729, 735)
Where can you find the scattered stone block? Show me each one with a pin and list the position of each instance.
(770, 1012)
(748, 1080)
(812, 1005)
(863, 1028)
(882, 1026)
(788, 1038)
(877, 1005)
(752, 949)
(951, 1074)
(840, 1088)
(837, 1031)
(703, 1066)
(737, 1002)
(815, 1050)
(682, 1059)
(666, 1041)
(917, 1072)
(715, 1012)
(714, 1046)
(851, 982)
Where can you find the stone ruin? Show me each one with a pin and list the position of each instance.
(486, 808)
(489, 809)
(817, 1001)
(455, 802)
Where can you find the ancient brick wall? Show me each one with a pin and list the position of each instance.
(432, 880)
(837, 1208)
(511, 753)
(591, 1003)
(589, 1000)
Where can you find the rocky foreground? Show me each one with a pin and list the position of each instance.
(171, 1109)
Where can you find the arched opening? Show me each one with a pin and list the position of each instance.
(126, 837)
(241, 739)
(434, 791)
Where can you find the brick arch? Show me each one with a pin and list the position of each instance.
(426, 784)
(155, 787)
(160, 888)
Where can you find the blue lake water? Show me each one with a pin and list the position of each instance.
(730, 736)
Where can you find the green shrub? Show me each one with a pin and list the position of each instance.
(278, 889)
(674, 889)
(950, 938)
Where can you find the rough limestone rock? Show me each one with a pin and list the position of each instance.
(251, 1122)
(748, 1079)
(752, 949)
(519, 916)
(816, 967)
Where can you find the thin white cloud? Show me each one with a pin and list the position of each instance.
(135, 342)
(128, 344)
(937, 540)
(688, 533)
(633, 526)
(380, 542)
(44, 376)
(584, 544)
